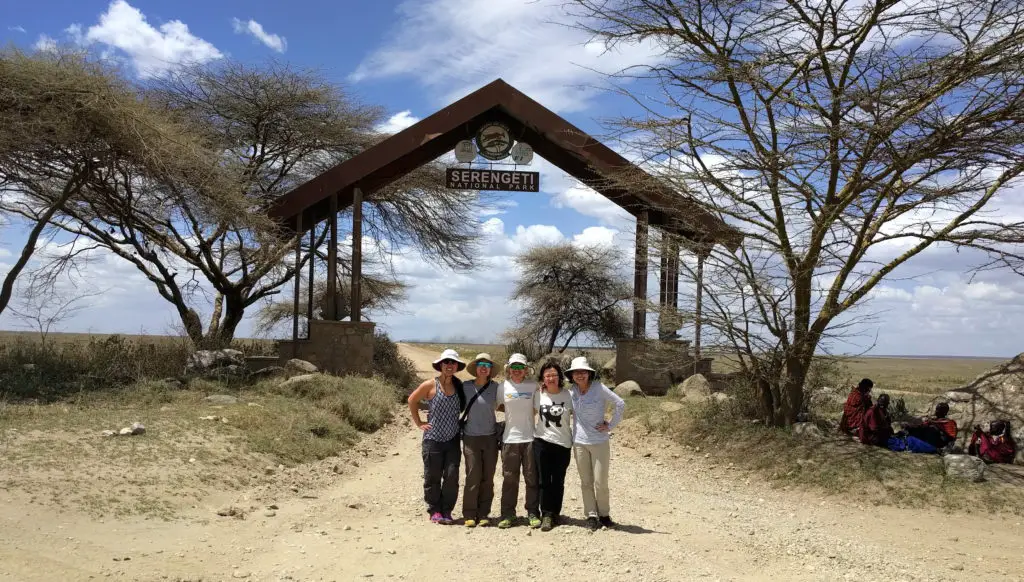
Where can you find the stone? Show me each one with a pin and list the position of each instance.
(109, 433)
(137, 428)
(696, 386)
(629, 388)
(296, 381)
(671, 406)
(958, 396)
(808, 429)
(211, 363)
(964, 467)
(221, 399)
(301, 366)
(126, 431)
(231, 511)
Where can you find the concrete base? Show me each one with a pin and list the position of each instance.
(336, 347)
(656, 365)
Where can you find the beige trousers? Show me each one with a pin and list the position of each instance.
(592, 464)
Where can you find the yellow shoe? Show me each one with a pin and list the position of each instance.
(484, 522)
(471, 523)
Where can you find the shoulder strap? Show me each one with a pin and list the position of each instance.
(465, 412)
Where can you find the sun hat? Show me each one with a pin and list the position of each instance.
(482, 357)
(580, 363)
(449, 354)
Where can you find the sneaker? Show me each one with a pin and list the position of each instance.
(546, 524)
(534, 521)
(446, 519)
(436, 517)
(593, 524)
(470, 523)
(484, 522)
(606, 521)
(505, 523)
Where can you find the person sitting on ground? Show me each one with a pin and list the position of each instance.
(876, 426)
(857, 404)
(938, 431)
(995, 446)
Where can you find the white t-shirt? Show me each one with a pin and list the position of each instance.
(519, 403)
(553, 423)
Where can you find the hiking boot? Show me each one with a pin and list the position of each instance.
(505, 523)
(606, 521)
(446, 519)
(484, 522)
(436, 517)
(470, 523)
(534, 521)
(593, 524)
(547, 523)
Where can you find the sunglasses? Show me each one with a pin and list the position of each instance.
(446, 362)
(484, 364)
(517, 367)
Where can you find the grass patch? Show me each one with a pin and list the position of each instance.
(833, 465)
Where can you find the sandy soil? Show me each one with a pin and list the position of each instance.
(361, 516)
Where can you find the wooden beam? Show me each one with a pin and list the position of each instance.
(357, 254)
(298, 285)
(332, 262)
(309, 290)
(640, 277)
(697, 310)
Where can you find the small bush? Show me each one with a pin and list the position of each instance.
(365, 403)
(393, 366)
(526, 346)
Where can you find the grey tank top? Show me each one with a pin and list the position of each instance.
(443, 415)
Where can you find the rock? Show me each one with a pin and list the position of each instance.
(629, 388)
(807, 429)
(240, 574)
(138, 428)
(109, 433)
(964, 467)
(697, 386)
(296, 381)
(268, 373)
(231, 511)
(671, 406)
(126, 431)
(301, 366)
(215, 364)
(221, 399)
(269, 513)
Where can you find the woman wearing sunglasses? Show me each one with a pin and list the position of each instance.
(440, 435)
(479, 441)
(518, 396)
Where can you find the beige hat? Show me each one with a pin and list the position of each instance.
(483, 357)
(448, 354)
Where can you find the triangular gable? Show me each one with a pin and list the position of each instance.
(551, 137)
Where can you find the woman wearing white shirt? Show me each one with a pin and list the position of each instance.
(553, 443)
(590, 440)
(517, 395)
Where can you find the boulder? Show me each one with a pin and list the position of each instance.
(696, 386)
(296, 381)
(137, 428)
(216, 364)
(964, 467)
(629, 388)
(807, 429)
(301, 366)
(221, 399)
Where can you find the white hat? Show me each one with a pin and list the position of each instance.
(580, 363)
(518, 358)
(448, 354)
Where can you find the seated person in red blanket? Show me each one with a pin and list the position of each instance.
(938, 431)
(857, 403)
(995, 446)
(876, 427)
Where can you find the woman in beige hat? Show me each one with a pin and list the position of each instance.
(441, 456)
(590, 399)
(479, 441)
(518, 395)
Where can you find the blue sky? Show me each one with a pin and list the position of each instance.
(413, 58)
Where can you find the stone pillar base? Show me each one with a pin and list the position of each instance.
(655, 365)
(336, 347)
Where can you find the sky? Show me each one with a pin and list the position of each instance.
(414, 58)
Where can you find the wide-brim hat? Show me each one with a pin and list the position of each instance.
(518, 358)
(483, 357)
(449, 354)
(580, 363)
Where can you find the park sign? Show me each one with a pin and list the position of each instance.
(497, 180)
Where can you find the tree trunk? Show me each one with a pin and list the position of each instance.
(233, 308)
(552, 339)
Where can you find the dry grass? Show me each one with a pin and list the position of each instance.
(54, 454)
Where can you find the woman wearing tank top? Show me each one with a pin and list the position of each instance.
(441, 452)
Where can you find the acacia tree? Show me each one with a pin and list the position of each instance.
(63, 121)
(566, 290)
(276, 128)
(842, 138)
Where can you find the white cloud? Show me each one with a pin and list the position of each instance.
(123, 30)
(20, 29)
(596, 236)
(456, 46)
(45, 44)
(255, 30)
(398, 122)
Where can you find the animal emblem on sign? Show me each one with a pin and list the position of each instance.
(494, 141)
(552, 414)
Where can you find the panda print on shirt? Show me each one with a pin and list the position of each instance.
(552, 414)
(554, 422)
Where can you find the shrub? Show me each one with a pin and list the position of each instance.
(526, 346)
(393, 366)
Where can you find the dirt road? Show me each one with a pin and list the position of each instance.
(682, 518)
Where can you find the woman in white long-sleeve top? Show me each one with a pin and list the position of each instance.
(591, 447)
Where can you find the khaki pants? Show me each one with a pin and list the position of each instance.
(592, 464)
(514, 456)
(481, 453)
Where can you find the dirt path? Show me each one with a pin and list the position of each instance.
(683, 518)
